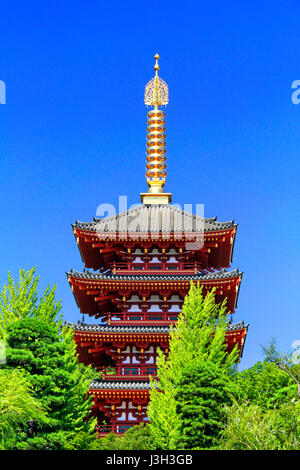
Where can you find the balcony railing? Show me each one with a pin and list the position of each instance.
(162, 268)
(128, 372)
(142, 316)
(104, 429)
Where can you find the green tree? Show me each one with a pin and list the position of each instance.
(197, 351)
(20, 299)
(200, 395)
(59, 383)
(271, 352)
(136, 438)
(250, 427)
(265, 384)
(45, 350)
(17, 406)
(266, 412)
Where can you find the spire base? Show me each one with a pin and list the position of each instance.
(156, 198)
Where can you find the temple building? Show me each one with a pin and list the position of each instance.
(138, 268)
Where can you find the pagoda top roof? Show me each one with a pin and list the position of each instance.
(223, 274)
(154, 218)
(138, 329)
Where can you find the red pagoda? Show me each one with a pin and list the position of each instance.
(143, 262)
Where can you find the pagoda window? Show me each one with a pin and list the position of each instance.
(172, 251)
(138, 259)
(151, 371)
(150, 360)
(172, 260)
(155, 267)
(175, 298)
(131, 417)
(174, 308)
(155, 251)
(155, 260)
(154, 298)
(133, 298)
(134, 308)
(154, 308)
(138, 251)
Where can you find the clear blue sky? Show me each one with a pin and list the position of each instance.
(74, 126)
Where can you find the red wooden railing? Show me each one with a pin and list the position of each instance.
(104, 429)
(145, 316)
(162, 268)
(130, 371)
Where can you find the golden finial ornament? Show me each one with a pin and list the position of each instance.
(156, 95)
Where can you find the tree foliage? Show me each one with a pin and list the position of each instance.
(136, 438)
(202, 392)
(196, 350)
(250, 427)
(271, 352)
(39, 346)
(266, 412)
(17, 406)
(21, 299)
(200, 401)
(43, 352)
(265, 384)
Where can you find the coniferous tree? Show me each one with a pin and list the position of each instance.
(271, 352)
(40, 350)
(39, 345)
(178, 408)
(203, 390)
(21, 299)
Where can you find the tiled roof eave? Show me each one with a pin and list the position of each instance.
(82, 327)
(119, 385)
(217, 275)
(143, 217)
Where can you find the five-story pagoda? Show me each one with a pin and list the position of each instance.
(143, 262)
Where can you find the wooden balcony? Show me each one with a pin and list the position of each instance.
(156, 268)
(104, 429)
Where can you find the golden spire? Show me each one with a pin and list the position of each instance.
(156, 95)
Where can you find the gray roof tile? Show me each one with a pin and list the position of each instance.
(223, 274)
(120, 385)
(154, 218)
(136, 328)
